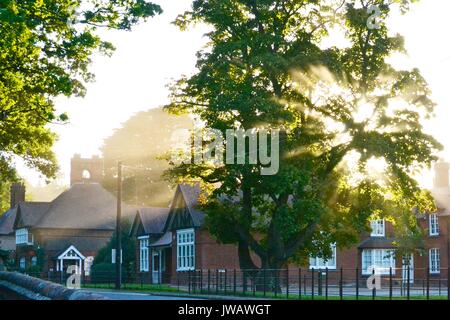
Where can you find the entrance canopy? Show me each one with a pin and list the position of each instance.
(164, 241)
(71, 253)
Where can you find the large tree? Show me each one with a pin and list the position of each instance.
(140, 144)
(343, 109)
(46, 48)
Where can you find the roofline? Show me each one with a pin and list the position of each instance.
(73, 248)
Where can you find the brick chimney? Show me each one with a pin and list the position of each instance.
(17, 194)
(441, 174)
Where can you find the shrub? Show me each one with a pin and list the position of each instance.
(105, 273)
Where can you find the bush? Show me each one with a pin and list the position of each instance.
(105, 273)
(34, 271)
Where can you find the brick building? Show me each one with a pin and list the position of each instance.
(190, 247)
(69, 230)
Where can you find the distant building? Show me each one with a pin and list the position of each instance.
(69, 230)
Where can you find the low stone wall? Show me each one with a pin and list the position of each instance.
(17, 286)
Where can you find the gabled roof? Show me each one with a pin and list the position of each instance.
(83, 206)
(29, 213)
(152, 220)
(70, 252)
(7, 221)
(183, 211)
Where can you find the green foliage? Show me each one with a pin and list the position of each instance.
(342, 110)
(139, 144)
(104, 273)
(128, 249)
(46, 48)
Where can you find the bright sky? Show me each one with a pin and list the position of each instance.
(134, 79)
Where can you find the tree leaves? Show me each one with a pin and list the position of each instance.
(265, 67)
(45, 51)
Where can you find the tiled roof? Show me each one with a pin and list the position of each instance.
(191, 195)
(164, 240)
(377, 243)
(153, 219)
(84, 206)
(29, 213)
(7, 221)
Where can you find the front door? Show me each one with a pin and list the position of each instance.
(158, 265)
(408, 260)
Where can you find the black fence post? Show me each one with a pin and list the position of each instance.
(319, 282)
(264, 282)
(217, 281)
(312, 284)
(448, 283)
(326, 283)
(390, 283)
(275, 288)
(428, 283)
(300, 283)
(287, 283)
(357, 283)
(225, 282)
(234, 281)
(408, 284)
(189, 281)
(244, 281)
(374, 289)
(254, 283)
(340, 284)
(209, 281)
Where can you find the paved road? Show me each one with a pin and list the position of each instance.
(114, 295)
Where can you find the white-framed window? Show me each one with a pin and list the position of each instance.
(22, 263)
(435, 260)
(378, 228)
(185, 250)
(34, 261)
(23, 237)
(433, 225)
(380, 259)
(143, 254)
(320, 263)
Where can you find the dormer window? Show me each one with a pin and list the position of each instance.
(433, 225)
(378, 228)
(23, 237)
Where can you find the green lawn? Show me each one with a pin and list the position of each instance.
(134, 287)
(158, 288)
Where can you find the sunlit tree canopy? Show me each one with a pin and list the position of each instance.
(353, 123)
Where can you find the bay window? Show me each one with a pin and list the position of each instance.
(379, 259)
(23, 237)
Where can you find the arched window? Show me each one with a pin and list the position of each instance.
(34, 261)
(86, 175)
(22, 263)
